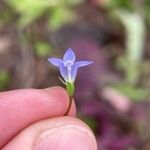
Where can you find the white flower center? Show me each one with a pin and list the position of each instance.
(68, 64)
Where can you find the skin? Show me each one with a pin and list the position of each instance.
(27, 116)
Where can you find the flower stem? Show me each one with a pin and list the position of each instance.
(69, 106)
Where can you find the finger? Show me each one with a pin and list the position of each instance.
(62, 133)
(20, 108)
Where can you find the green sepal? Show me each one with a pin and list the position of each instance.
(62, 80)
(70, 88)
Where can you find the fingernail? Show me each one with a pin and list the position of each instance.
(68, 137)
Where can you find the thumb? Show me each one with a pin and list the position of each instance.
(62, 133)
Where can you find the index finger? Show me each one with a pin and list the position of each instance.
(20, 108)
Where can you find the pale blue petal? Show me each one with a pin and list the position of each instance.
(76, 66)
(55, 61)
(74, 72)
(82, 63)
(69, 55)
(63, 72)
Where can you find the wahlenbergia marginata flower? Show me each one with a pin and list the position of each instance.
(68, 69)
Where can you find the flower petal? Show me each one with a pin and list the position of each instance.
(63, 72)
(69, 55)
(74, 70)
(55, 61)
(77, 65)
(82, 63)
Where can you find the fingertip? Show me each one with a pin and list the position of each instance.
(62, 133)
(62, 94)
(55, 88)
(21, 108)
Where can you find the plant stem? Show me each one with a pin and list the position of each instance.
(69, 106)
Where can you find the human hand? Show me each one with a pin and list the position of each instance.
(32, 119)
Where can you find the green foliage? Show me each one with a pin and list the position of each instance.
(135, 36)
(131, 69)
(91, 122)
(119, 4)
(132, 92)
(146, 9)
(59, 17)
(30, 10)
(135, 33)
(5, 16)
(4, 79)
(72, 2)
(132, 16)
(42, 49)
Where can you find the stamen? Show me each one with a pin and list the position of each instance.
(68, 64)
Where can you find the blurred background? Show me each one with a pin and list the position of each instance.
(113, 94)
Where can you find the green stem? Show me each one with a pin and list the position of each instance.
(70, 90)
(69, 106)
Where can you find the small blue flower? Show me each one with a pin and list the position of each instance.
(68, 67)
